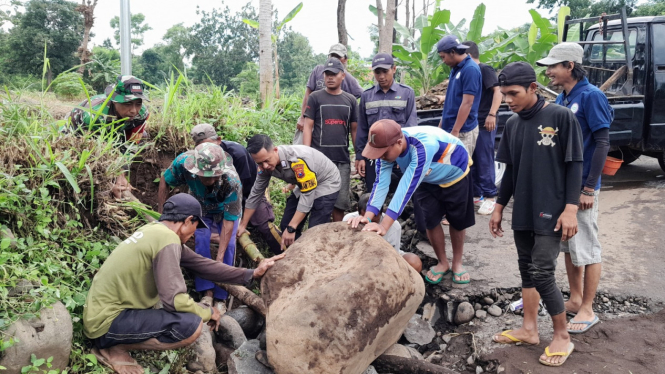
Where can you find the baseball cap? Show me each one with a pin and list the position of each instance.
(126, 89)
(382, 134)
(449, 42)
(202, 132)
(338, 49)
(207, 160)
(517, 73)
(382, 61)
(186, 204)
(563, 52)
(333, 65)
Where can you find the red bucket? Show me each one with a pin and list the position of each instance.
(611, 165)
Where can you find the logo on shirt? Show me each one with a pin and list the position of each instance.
(398, 97)
(545, 215)
(574, 108)
(458, 75)
(548, 134)
(331, 121)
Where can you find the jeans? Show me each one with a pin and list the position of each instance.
(202, 247)
(537, 255)
(482, 169)
(319, 214)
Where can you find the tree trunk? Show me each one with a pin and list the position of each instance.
(341, 22)
(246, 296)
(276, 73)
(395, 40)
(413, 20)
(88, 20)
(408, 15)
(386, 26)
(265, 51)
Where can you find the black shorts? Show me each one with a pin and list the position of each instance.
(133, 326)
(454, 202)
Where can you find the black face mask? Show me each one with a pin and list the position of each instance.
(531, 112)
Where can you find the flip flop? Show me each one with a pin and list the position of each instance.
(109, 364)
(459, 275)
(565, 355)
(587, 323)
(513, 340)
(570, 314)
(442, 274)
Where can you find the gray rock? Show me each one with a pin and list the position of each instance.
(626, 303)
(403, 351)
(477, 306)
(250, 321)
(431, 313)
(464, 314)
(222, 353)
(449, 311)
(427, 250)
(488, 300)
(481, 314)
(606, 300)
(23, 286)
(494, 311)
(204, 353)
(444, 297)
(370, 370)
(230, 333)
(470, 360)
(434, 358)
(479, 369)
(47, 336)
(419, 331)
(442, 347)
(243, 360)
(446, 338)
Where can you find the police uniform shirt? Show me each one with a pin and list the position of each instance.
(398, 104)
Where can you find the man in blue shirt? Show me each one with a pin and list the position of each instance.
(594, 113)
(460, 109)
(435, 169)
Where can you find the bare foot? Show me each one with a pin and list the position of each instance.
(527, 336)
(582, 315)
(121, 361)
(558, 344)
(439, 268)
(572, 306)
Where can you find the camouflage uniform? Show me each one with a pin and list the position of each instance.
(126, 89)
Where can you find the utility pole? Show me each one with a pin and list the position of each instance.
(125, 38)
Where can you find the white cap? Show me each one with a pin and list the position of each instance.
(563, 52)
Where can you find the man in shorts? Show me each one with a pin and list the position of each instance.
(594, 113)
(542, 149)
(144, 270)
(330, 119)
(436, 167)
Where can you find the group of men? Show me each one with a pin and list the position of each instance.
(553, 155)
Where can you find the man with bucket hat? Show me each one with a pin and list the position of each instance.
(594, 113)
(121, 109)
(209, 173)
(143, 270)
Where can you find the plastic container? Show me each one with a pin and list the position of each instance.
(611, 165)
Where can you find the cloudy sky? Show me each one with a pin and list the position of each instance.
(317, 20)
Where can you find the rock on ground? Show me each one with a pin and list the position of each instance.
(250, 321)
(465, 313)
(403, 351)
(370, 370)
(494, 311)
(419, 331)
(48, 336)
(243, 360)
(204, 353)
(338, 300)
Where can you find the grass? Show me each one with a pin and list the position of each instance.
(54, 195)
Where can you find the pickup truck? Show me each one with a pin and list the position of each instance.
(634, 83)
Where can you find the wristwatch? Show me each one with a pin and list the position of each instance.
(290, 229)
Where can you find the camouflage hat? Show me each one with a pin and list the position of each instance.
(126, 89)
(206, 161)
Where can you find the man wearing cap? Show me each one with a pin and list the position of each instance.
(263, 217)
(126, 106)
(316, 179)
(386, 100)
(436, 167)
(542, 149)
(208, 172)
(317, 81)
(459, 116)
(144, 270)
(330, 118)
(594, 113)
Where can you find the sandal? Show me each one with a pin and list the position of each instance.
(459, 275)
(565, 355)
(109, 364)
(442, 274)
(513, 340)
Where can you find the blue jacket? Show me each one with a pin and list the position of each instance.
(465, 79)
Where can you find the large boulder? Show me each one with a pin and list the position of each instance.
(47, 336)
(337, 301)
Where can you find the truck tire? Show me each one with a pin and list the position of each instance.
(626, 154)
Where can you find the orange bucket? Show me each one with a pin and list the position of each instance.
(611, 165)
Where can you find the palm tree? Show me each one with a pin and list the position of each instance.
(265, 50)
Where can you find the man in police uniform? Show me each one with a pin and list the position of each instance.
(126, 106)
(316, 178)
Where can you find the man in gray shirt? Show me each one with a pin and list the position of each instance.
(316, 178)
(317, 81)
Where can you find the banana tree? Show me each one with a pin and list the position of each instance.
(275, 37)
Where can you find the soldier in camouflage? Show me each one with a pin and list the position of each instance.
(209, 173)
(120, 108)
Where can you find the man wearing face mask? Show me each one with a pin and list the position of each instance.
(209, 173)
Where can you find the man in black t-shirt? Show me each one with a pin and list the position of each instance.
(330, 117)
(482, 170)
(543, 151)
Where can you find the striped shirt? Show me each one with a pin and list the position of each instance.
(432, 156)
